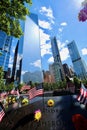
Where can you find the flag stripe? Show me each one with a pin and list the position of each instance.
(15, 92)
(26, 87)
(2, 113)
(82, 98)
(32, 93)
(35, 92)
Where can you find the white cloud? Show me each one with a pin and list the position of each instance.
(36, 63)
(63, 24)
(64, 54)
(77, 3)
(84, 2)
(51, 60)
(84, 51)
(10, 65)
(45, 24)
(48, 13)
(66, 41)
(11, 60)
(19, 57)
(13, 49)
(44, 37)
(23, 72)
(60, 29)
(45, 47)
(60, 45)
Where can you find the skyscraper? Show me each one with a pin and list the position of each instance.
(78, 63)
(15, 61)
(58, 68)
(29, 51)
(5, 46)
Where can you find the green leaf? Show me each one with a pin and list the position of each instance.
(11, 12)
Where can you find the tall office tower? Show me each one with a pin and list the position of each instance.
(29, 51)
(78, 64)
(18, 72)
(58, 68)
(5, 46)
(15, 61)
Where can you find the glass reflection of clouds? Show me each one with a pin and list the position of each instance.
(31, 61)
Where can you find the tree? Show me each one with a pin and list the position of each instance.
(85, 82)
(9, 87)
(77, 82)
(11, 12)
(1, 79)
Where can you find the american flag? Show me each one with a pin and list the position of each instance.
(35, 91)
(3, 94)
(82, 98)
(2, 113)
(81, 94)
(26, 87)
(15, 92)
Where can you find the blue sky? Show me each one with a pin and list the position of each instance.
(60, 18)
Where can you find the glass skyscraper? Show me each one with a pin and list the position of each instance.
(5, 46)
(57, 65)
(29, 51)
(78, 63)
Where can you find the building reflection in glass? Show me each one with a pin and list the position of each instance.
(28, 67)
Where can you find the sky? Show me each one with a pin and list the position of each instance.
(60, 18)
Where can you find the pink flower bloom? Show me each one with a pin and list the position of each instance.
(37, 111)
(83, 15)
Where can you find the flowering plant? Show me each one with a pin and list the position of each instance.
(82, 16)
(25, 101)
(38, 115)
(50, 102)
(13, 100)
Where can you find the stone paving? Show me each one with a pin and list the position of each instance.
(58, 117)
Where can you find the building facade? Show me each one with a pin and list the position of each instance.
(15, 61)
(48, 77)
(78, 63)
(66, 70)
(58, 68)
(29, 55)
(5, 46)
(51, 69)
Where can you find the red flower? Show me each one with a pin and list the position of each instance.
(80, 122)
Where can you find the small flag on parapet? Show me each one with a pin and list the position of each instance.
(35, 91)
(82, 98)
(2, 113)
